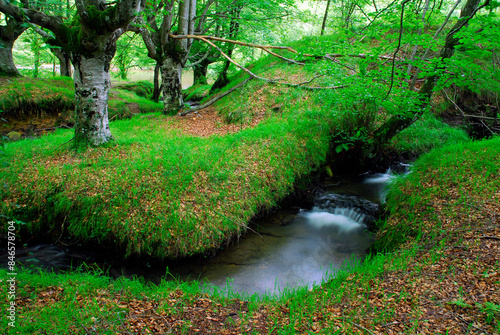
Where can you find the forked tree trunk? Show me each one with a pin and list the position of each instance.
(171, 85)
(7, 66)
(92, 86)
(64, 62)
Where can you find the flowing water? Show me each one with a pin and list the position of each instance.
(311, 246)
(293, 247)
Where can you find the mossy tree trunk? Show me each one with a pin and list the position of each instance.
(92, 86)
(8, 35)
(171, 74)
(64, 62)
(171, 54)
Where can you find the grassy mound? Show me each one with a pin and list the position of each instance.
(30, 104)
(154, 191)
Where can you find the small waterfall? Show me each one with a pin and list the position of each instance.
(380, 181)
(344, 220)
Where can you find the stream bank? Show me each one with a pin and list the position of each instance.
(304, 241)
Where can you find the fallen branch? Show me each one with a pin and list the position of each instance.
(335, 60)
(361, 327)
(233, 62)
(490, 237)
(214, 99)
(363, 56)
(468, 115)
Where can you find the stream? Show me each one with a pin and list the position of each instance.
(292, 247)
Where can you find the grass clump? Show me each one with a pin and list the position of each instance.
(425, 134)
(123, 104)
(143, 88)
(25, 98)
(471, 165)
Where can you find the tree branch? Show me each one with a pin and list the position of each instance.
(53, 23)
(252, 45)
(397, 49)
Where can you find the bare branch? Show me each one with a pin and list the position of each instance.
(252, 45)
(201, 59)
(225, 56)
(222, 95)
(363, 56)
(146, 35)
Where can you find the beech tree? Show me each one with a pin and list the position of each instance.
(9, 32)
(90, 38)
(167, 43)
(170, 55)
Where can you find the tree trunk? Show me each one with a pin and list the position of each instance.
(8, 35)
(323, 26)
(92, 86)
(64, 62)
(156, 82)
(7, 66)
(200, 72)
(222, 79)
(171, 85)
(234, 28)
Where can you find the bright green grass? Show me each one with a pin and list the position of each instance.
(425, 134)
(475, 166)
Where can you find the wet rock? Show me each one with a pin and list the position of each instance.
(288, 220)
(330, 202)
(14, 136)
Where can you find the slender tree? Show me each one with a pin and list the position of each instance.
(234, 28)
(90, 38)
